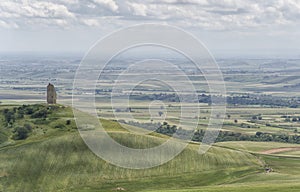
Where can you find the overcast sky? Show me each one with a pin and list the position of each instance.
(228, 27)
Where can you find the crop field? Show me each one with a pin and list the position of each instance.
(243, 119)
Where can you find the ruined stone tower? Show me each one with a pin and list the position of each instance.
(51, 94)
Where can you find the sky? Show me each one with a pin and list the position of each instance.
(226, 27)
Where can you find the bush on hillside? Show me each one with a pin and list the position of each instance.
(42, 113)
(22, 132)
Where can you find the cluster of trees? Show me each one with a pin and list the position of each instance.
(101, 91)
(160, 96)
(254, 99)
(127, 109)
(263, 100)
(166, 129)
(290, 118)
(245, 125)
(9, 116)
(259, 136)
(248, 99)
(257, 117)
(163, 128)
(33, 111)
(198, 135)
(148, 126)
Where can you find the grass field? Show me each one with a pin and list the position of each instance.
(254, 147)
(64, 162)
(56, 159)
(242, 188)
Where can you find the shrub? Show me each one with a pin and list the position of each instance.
(60, 126)
(9, 116)
(21, 133)
(68, 122)
(40, 114)
(28, 127)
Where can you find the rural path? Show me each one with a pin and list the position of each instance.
(279, 150)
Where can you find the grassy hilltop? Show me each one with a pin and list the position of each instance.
(41, 150)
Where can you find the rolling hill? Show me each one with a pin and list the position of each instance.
(53, 157)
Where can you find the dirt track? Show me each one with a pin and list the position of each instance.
(279, 150)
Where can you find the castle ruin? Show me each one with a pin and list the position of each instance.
(51, 94)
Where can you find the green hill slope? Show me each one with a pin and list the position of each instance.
(64, 162)
(53, 157)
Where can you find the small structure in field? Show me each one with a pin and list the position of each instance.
(51, 94)
(119, 189)
(268, 169)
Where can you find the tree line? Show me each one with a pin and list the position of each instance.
(245, 99)
(170, 130)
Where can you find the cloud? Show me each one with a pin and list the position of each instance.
(108, 3)
(90, 22)
(6, 25)
(34, 9)
(205, 14)
(138, 9)
(22, 13)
